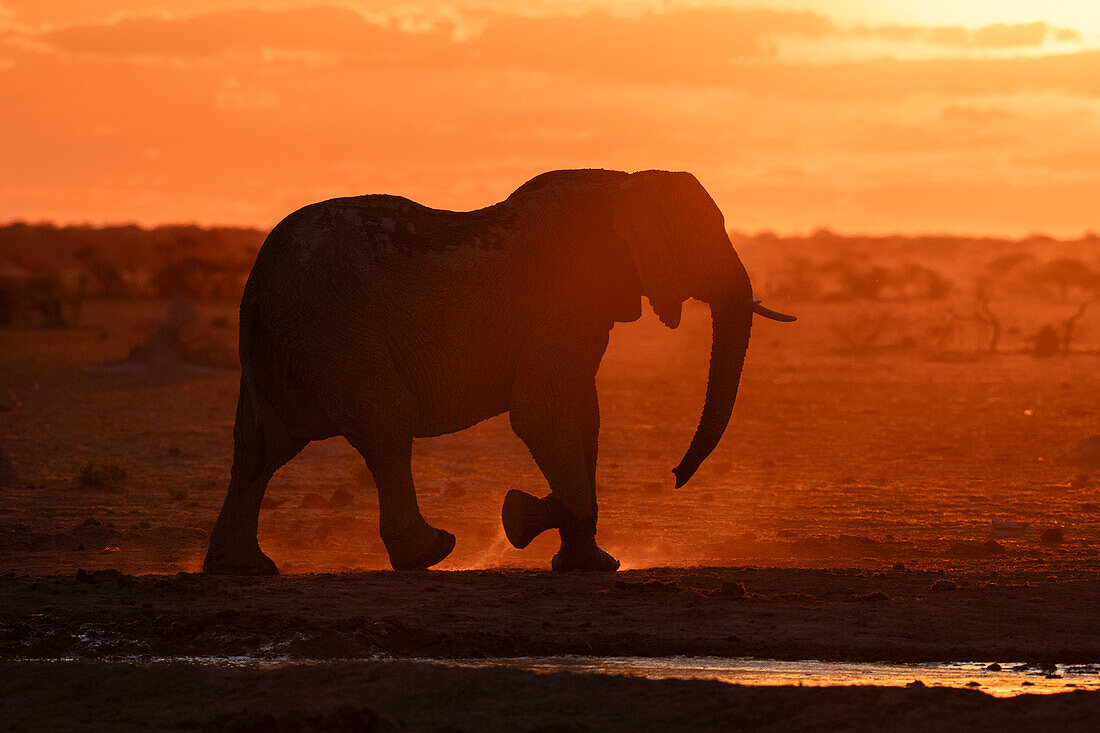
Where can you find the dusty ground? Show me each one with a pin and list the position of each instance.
(847, 487)
(831, 459)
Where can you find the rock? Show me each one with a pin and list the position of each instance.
(313, 500)
(181, 314)
(915, 684)
(944, 585)
(271, 503)
(341, 499)
(993, 667)
(970, 548)
(973, 684)
(100, 475)
(898, 566)
(181, 339)
(728, 589)
(1046, 342)
(731, 589)
(99, 577)
(1052, 536)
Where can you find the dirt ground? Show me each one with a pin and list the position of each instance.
(832, 458)
(848, 514)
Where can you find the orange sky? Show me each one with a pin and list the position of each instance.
(872, 116)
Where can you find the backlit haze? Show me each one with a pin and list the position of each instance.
(972, 117)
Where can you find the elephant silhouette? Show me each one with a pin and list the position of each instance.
(381, 320)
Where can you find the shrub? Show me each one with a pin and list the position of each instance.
(100, 475)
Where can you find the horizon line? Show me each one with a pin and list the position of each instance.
(818, 230)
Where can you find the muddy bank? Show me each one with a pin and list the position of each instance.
(887, 615)
(412, 696)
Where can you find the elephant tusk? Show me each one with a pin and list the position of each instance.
(769, 313)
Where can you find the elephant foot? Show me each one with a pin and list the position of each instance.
(425, 548)
(525, 517)
(249, 561)
(583, 554)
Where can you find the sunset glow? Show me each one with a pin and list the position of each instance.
(977, 117)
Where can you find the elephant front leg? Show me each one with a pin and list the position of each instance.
(562, 435)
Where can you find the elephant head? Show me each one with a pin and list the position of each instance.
(676, 238)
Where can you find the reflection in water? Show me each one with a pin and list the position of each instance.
(1000, 680)
(1003, 680)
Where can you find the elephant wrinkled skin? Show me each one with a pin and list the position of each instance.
(382, 320)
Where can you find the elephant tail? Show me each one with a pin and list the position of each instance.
(248, 430)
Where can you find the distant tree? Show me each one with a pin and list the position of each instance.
(1069, 326)
(865, 331)
(201, 279)
(1001, 266)
(1066, 278)
(798, 279)
(984, 314)
(910, 281)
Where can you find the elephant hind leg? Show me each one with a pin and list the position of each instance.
(410, 541)
(261, 445)
(376, 412)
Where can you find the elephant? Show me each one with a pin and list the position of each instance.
(381, 320)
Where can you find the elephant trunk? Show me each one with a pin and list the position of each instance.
(731, 321)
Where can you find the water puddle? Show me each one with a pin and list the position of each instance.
(1003, 680)
(999, 680)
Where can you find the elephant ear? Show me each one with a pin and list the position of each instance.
(640, 215)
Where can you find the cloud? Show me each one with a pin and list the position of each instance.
(283, 108)
(1001, 35)
(975, 115)
(925, 139)
(235, 96)
(215, 34)
(1073, 73)
(662, 45)
(689, 35)
(992, 36)
(710, 47)
(1084, 161)
(678, 43)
